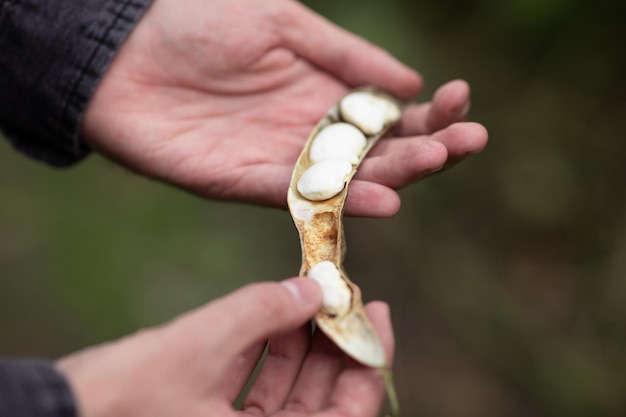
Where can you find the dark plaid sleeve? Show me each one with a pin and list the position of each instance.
(52, 55)
(30, 388)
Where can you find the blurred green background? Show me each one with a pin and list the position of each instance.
(506, 275)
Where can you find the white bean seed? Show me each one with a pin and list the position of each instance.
(369, 112)
(324, 179)
(336, 294)
(338, 141)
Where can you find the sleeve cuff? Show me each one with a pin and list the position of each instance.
(34, 388)
(54, 55)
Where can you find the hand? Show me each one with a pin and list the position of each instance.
(218, 97)
(197, 365)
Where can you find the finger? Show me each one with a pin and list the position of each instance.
(348, 57)
(396, 163)
(369, 199)
(359, 390)
(460, 139)
(380, 316)
(316, 381)
(278, 373)
(450, 104)
(217, 333)
(463, 140)
(269, 187)
(409, 161)
(240, 371)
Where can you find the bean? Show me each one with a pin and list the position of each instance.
(369, 112)
(336, 294)
(324, 179)
(338, 141)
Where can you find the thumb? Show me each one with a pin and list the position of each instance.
(345, 55)
(252, 314)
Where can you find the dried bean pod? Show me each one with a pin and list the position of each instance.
(322, 239)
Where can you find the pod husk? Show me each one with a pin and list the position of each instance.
(322, 238)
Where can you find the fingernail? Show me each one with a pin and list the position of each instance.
(305, 291)
(463, 111)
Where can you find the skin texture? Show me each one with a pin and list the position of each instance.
(218, 97)
(184, 368)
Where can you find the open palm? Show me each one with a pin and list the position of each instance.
(218, 98)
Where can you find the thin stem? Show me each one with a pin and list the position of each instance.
(392, 397)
